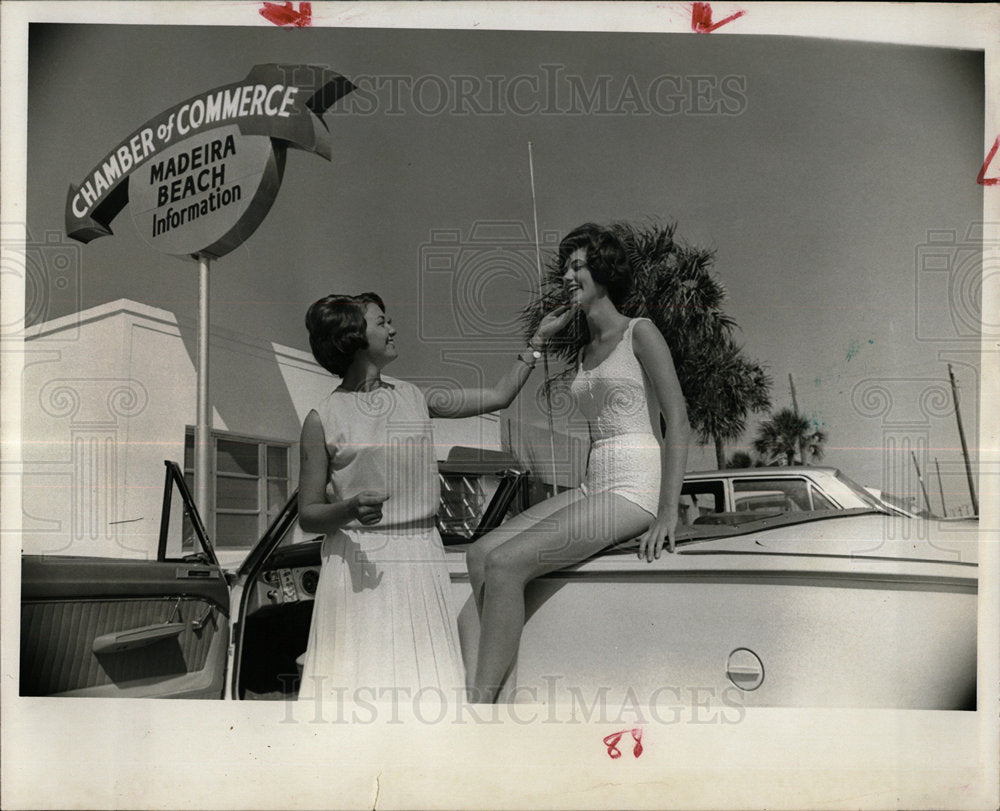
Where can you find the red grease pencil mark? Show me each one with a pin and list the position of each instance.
(701, 18)
(981, 178)
(637, 737)
(611, 741)
(285, 14)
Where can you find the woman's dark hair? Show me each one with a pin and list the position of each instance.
(607, 260)
(337, 329)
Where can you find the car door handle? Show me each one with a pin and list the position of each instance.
(137, 637)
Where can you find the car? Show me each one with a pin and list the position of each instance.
(773, 490)
(761, 605)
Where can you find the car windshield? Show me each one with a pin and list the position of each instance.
(468, 496)
(861, 492)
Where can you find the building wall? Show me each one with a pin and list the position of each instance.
(108, 395)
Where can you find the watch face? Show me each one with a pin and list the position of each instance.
(536, 354)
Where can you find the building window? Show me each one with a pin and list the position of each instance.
(249, 486)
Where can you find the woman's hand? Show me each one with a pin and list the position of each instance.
(651, 543)
(551, 323)
(366, 506)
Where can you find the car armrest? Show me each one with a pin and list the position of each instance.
(137, 637)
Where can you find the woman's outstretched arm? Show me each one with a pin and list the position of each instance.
(454, 403)
(316, 514)
(654, 355)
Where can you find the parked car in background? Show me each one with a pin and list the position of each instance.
(772, 491)
(783, 592)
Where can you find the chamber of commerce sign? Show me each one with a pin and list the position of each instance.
(200, 177)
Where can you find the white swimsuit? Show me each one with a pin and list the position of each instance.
(621, 409)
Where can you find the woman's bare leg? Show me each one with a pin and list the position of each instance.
(536, 515)
(475, 561)
(572, 533)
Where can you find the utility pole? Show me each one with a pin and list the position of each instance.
(965, 448)
(927, 501)
(944, 507)
(795, 408)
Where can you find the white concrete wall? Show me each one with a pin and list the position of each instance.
(107, 396)
(77, 407)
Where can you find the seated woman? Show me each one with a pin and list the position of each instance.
(625, 380)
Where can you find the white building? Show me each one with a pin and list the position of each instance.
(109, 393)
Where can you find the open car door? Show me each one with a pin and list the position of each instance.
(111, 627)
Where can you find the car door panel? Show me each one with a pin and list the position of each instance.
(54, 577)
(93, 627)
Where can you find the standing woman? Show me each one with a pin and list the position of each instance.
(368, 481)
(625, 381)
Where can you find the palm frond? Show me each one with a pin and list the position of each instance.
(784, 433)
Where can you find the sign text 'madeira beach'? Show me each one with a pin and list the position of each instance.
(199, 156)
(282, 102)
(210, 179)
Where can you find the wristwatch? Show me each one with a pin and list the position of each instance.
(529, 355)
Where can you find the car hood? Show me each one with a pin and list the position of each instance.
(863, 542)
(873, 535)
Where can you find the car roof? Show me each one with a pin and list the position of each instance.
(760, 472)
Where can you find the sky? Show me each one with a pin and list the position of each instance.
(818, 171)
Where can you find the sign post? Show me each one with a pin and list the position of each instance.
(200, 178)
(203, 425)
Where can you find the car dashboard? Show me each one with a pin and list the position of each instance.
(291, 576)
(288, 585)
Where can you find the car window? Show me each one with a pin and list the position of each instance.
(863, 495)
(701, 498)
(771, 496)
(820, 502)
(182, 533)
(177, 533)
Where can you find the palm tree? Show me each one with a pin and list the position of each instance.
(726, 388)
(782, 434)
(740, 459)
(672, 287)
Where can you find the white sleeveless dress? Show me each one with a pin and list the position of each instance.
(621, 409)
(381, 621)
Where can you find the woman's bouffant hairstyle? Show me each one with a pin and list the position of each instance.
(607, 260)
(337, 329)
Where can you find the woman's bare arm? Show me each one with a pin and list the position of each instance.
(654, 355)
(458, 402)
(316, 514)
